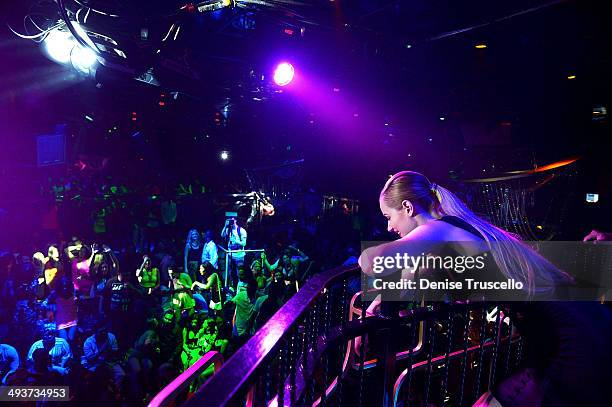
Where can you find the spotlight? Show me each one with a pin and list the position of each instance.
(83, 59)
(283, 75)
(61, 47)
(58, 45)
(224, 155)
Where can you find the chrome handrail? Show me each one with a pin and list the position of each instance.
(176, 386)
(235, 375)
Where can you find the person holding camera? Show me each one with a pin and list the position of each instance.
(236, 237)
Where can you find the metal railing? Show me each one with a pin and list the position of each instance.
(317, 350)
(180, 385)
(228, 253)
(277, 362)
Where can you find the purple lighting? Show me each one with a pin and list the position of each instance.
(283, 75)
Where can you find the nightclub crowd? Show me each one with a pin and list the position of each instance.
(116, 324)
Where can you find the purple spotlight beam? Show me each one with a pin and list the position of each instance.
(283, 74)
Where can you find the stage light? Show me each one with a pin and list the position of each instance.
(480, 46)
(58, 45)
(83, 59)
(283, 75)
(224, 155)
(61, 46)
(571, 77)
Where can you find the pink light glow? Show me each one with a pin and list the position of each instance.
(284, 73)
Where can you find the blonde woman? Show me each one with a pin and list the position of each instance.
(567, 351)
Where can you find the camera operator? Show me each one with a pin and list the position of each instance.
(236, 237)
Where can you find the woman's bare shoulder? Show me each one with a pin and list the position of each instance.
(432, 231)
(444, 231)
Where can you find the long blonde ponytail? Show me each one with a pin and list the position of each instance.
(514, 258)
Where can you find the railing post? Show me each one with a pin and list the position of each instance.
(509, 349)
(498, 332)
(449, 344)
(387, 349)
(481, 339)
(464, 361)
(362, 350)
(414, 327)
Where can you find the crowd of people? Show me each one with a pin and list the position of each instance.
(122, 323)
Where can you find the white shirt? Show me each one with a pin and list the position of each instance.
(60, 353)
(210, 254)
(9, 361)
(237, 240)
(91, 350)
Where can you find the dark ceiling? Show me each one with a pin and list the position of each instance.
(384, 72)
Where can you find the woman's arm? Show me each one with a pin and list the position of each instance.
(301, 257)
(197, 284)
(90, 259)
(267, 265)
(140, 269)
(209, 281)
(421, 240)
(114, 261)
(185, 258)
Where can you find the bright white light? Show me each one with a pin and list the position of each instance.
(224, 155)
(592, 198)
(283, 75)
(59, 44)
(62, 47)
(83, 59)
